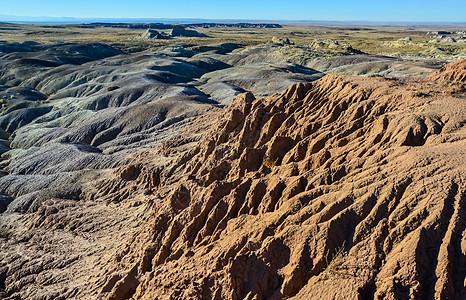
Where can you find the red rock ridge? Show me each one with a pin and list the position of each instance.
(344, 188)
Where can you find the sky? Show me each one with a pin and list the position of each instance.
(328, 10)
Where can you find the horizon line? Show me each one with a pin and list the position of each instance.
(77, 20)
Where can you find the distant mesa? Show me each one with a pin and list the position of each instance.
(161, 26)
(176, 31)
(179, 30)
(235, 25)
(128, 25)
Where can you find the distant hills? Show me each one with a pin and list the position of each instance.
(71, 20)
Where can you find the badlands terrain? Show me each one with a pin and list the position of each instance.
(212, 161)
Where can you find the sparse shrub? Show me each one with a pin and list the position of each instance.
(5, 233)
(164, 148)
(269, 162)
(336, 261)
(419, 94)
(455, 88)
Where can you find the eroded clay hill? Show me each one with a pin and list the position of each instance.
(337, 189)
(343, 188)
(453, 72)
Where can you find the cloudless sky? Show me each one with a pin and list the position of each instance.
(333, 10)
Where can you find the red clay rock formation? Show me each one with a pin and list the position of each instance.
(455, 72)
(362, 197)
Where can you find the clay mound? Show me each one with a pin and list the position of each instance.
(152, 34)
(453, 72)
(447, 40)
(330, 190)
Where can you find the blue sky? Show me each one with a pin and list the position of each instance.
(336, 10)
